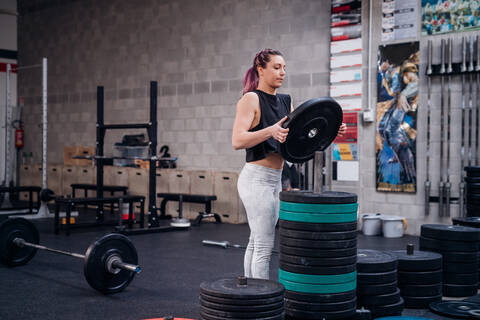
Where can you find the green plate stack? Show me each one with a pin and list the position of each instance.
(318, 254)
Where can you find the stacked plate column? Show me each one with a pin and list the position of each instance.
(473, 191)
(241, 298)
(377, 288)
(318, 252)
(419, 277)
(473, 222)
(459, 246)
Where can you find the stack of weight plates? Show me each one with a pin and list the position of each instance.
(318, 252)
(458, 246)
(377, 288)
(473, 222)
(243, 298)
(473, 191)
(419, 277)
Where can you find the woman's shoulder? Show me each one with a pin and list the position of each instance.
(249, 99)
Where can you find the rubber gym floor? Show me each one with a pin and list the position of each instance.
(52, 286)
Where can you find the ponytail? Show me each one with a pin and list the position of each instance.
(250, 80)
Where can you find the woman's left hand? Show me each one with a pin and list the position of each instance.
(342, 130)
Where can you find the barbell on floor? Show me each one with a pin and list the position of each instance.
(110, 263)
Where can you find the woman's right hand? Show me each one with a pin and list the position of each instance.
(278, 133)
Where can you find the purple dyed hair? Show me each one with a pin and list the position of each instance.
(250, 80)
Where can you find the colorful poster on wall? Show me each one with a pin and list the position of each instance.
(345, 147)
(443, 16)
(397, 103)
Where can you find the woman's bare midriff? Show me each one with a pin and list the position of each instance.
(272, 160)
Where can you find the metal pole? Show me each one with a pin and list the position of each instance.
(441, 185)
(448, 74)
(8, 104)
(44, 211)
(429, 92)
(463, 69)
(318, 169)
(45, 123)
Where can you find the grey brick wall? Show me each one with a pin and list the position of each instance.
(198, 51)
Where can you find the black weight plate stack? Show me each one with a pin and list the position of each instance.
(241, 298)
(473, 222)
(459, 247)
(318, 254)
(419, 277)
(473, 191)
(377, 288)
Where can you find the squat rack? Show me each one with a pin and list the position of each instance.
(151, 127)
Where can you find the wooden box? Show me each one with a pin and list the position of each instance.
(54, 179)
(228, 203)
(201, 182)
(69, 152)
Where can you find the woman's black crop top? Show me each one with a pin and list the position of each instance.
(272, 109)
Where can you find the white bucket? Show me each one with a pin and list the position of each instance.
(372, 224)
(393, 226)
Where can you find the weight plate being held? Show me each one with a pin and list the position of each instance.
(98, 257)
(313, 126)
(11, 254)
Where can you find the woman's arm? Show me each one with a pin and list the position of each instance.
(241, 137)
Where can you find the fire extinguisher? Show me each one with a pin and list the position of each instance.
(19, 135)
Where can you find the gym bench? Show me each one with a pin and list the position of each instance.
(30, 190)
(192, 198)
(87, 186)
(69, 203)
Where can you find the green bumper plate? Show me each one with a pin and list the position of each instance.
(317, 279)
(318, 288)
(319, 208)
(318, 217)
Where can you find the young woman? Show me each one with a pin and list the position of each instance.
(258, 129)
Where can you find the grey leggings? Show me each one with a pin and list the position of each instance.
(259, 187)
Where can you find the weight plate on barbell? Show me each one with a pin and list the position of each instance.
(95, 268)
(313, 126)
(11, 254)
